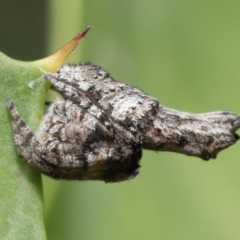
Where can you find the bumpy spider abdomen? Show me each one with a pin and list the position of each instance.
(155, 126)
(72, 144)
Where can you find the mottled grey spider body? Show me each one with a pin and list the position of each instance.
(97, 131)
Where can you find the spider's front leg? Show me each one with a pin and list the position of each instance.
(25, 140)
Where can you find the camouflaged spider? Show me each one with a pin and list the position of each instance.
(99, 127)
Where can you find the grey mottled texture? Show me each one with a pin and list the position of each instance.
(97, 131)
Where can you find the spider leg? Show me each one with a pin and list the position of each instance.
(25, 140)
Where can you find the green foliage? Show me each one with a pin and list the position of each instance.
(21, 201)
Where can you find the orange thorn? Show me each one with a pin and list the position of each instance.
(53, 62)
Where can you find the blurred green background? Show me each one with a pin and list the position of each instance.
(186, 54)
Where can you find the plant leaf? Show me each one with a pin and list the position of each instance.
(21, 200)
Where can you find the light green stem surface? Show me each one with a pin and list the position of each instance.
(21, 200)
